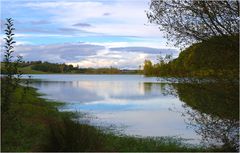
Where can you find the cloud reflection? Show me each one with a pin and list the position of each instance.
(131, 100)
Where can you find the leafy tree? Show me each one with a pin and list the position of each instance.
(148, 68)
(187, 21)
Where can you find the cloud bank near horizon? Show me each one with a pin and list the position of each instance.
(91, 55)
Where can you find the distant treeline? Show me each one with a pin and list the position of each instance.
(47, 67)
(215, 57)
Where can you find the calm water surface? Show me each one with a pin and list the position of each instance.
(148, 106)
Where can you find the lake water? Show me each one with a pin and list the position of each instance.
(148, 106)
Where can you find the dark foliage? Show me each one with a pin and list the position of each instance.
(52, 67)
(216, 57)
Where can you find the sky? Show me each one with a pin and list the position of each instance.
(87, 33)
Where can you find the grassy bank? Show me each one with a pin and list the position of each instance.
(35, 124)
(29, 70)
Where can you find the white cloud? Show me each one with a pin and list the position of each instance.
(129, 60)
(24, 35)
(124, 17)
(154, 43)
(65, 52)
(23, 43)
(2, 41)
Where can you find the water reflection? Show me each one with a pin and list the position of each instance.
(149, 108)
(90, 91)
(215, 131)
(212, 110)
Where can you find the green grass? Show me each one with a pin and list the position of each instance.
(35, 124)
(29, 70)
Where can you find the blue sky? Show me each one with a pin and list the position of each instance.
(88, 33)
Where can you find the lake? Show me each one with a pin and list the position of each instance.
(148, 106)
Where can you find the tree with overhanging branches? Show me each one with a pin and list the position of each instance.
(187, 21)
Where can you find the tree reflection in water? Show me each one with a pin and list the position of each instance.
(212, 110)
(215, 131)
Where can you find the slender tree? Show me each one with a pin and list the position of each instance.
(9, 48)
(11, 81)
